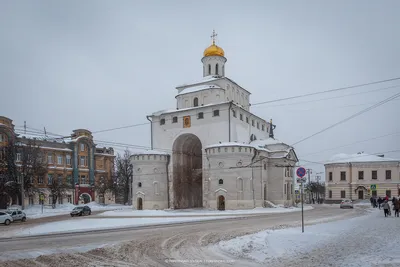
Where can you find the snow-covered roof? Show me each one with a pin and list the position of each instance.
(197, 88)
(359, 157)
(148, 152)
(41, 137)
(266, 142)
(228, 144)
(166, 111)
(204, 80)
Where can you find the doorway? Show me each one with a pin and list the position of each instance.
(221, 203)
(361, 194)
(140, 203)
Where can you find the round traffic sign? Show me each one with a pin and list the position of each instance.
(301, 172)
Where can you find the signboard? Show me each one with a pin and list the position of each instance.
(296, 192)
(301, 180)
(301, 172)
(373, 187)
(186, 122)
(41, 197)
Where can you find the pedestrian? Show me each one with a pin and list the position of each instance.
(396, 207)
(380, 200)
(386, 208)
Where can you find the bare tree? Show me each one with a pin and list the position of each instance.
(124, 172)
(105, 186)
(32, 165)
(58, 189)
(9, 187)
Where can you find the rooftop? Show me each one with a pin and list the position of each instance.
(197, 88)
(359, 157)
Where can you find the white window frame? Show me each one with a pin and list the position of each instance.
(59, 160)
(19, 156)
(50, 159)
(68, 160)
(84, 161)
(82, 146)
(49, 179)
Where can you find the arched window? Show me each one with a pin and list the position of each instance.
(209, 69)
(220, 181)
(156, 188)
(240, 184)
(195, 102)
(216, 69)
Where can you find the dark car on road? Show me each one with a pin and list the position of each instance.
(82, 210)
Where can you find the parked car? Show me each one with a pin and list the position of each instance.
(17, 215)
(5, 218)
(346, 203)
(81, 210)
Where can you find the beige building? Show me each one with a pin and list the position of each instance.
(351, 176)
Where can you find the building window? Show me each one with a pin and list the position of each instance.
(389, 193)
(388, 174)
(1, 138)
(284, 189)
(258, 125)
(60, 200)
(265, 166)
(69, 180)
(220, 181)
(209, 69)
(162, 121)
(50, 159)
(216, 113)
(139, 184)
(233, 113)
(174, 119)
(200, 115)
(330, 176)
(156, 188)
(343, 194)
(195, 102)
(59, 160)
(40, 180)
(83, 179)
(241, 117)
(252, 123)
(83, 161)
(69, 198)
(342, 176)
(50, 179)
(263, 127)
(216, 69)
(240, 184)
(361, 175)
(19, 157)
(247, 119)
(68, 160)
(330, 193)
(374, 175)
(82, 147)
(50, 199)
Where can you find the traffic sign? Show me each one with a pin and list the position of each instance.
(296, 192)
(373, 187)
(301, 180)
(301, 172)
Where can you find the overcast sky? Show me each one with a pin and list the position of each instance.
(105, 64)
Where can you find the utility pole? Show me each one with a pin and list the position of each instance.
(130, 187)
(309, 171)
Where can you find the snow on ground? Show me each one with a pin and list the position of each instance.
(79, 225)
(35, 211)
(197, 212)
(368, 240)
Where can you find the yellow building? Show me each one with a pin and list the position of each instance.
(75, 160)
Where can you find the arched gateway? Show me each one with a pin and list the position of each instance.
(187, 172)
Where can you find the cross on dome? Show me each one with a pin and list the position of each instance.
(213, 37)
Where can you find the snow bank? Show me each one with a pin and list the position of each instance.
(80, 225)
(198, 212)
(357, 240)
(35, 211)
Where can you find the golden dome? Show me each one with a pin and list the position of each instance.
(214, 50)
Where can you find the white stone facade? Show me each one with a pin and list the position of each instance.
(215, 153)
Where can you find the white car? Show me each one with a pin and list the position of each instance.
(5, 218)
(346, 203)
(17, 214)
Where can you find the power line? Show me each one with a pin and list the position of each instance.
(266, 102)
(327, 91)
(377, 137)
(349, 118)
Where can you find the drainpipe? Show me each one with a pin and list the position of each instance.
(151, 130)
(252, 177)
(351, 181)
(229, 120)
(168, 161)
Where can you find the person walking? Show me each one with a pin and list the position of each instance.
(386, 208)
(396, 207)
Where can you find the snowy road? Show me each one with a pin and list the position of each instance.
(172, 245)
